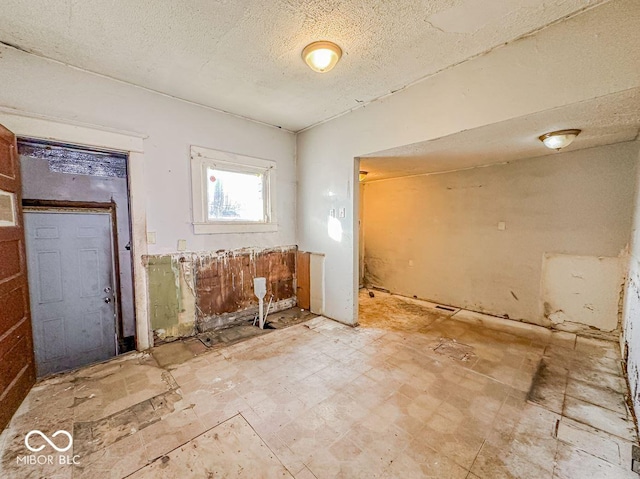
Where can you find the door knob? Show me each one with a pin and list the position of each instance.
(107, 300)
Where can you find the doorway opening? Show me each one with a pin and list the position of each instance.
(79, 262)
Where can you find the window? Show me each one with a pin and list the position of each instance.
(232, 193)
(7, 208)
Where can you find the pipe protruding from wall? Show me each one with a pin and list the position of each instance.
(260, 290)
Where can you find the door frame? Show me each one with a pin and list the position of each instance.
(88, 207)
(40, 127)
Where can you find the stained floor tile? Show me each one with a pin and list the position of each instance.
(232, 449)
(414, 391)
(494, 463)
(600, 418)
(574, 463)
(593, 441)
(600, 396)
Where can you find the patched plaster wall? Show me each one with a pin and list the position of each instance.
(630, 339)
(567, 220)
(516, 80)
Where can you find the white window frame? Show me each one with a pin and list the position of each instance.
(204, 158)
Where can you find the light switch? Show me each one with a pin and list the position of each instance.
(151, 237)
(411, 263)
(342, 212)
(502, 226)
(182, 245)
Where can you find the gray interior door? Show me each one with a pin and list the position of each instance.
(70, 269)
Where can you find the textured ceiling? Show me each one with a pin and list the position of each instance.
(243, 56)
(605, 120)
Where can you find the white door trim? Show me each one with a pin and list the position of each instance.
(47, 128)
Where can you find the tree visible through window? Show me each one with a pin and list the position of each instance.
(235, 196)
(232, 193)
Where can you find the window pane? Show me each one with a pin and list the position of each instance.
(235, 196)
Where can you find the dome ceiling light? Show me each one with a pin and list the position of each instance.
(556, 140)
(321, 56)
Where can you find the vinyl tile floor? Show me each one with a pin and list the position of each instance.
(415, 391)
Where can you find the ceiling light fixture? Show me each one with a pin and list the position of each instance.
(362, 175)
(321, 56)
(556, 140)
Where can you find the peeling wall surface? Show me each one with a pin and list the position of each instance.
(164, 304)
(516, 80)
(631, 334)
(513, 81)
(196, 292)
(224, 283)
(631, 306)
(581, 290)
(438, 236)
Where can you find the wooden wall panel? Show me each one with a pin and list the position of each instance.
(224, 283)
(304, 280)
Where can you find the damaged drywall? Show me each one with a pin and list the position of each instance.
(631, 329)
(484, 249)
(581, 291)
(166, 298)
(224, 284)
(196, 292)
(630, 339)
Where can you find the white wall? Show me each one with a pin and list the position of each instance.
(513, 81)
(35, 85)
(567, 218)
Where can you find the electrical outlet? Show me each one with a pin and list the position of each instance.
(502, 226)
(332, 212)
(182, 245)
(151, 237)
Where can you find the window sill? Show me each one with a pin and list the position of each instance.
(223, 228)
